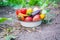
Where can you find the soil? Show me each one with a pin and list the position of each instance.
(42, 32)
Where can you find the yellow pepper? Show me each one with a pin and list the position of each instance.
(30, 10)
(42, 16)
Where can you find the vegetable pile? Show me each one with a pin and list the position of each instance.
(30, 14)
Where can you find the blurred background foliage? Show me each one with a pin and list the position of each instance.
(24, 3)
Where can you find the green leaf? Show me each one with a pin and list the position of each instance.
(45, 4)
(3, 20)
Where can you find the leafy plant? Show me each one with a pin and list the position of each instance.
(25, 3)
(4, 19)
(3, 3)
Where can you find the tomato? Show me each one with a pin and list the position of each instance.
(36, 17)
(18, 11)
(28, 19)
(20, 17)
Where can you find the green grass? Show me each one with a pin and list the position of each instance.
(25, 3)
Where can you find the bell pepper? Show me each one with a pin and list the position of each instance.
(42, 16)
(29, 11)
(21, 14)
(23, 10)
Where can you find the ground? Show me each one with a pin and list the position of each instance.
(42, 32)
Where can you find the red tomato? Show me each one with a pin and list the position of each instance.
(28, 19)
(36, 18)
(18, 11)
